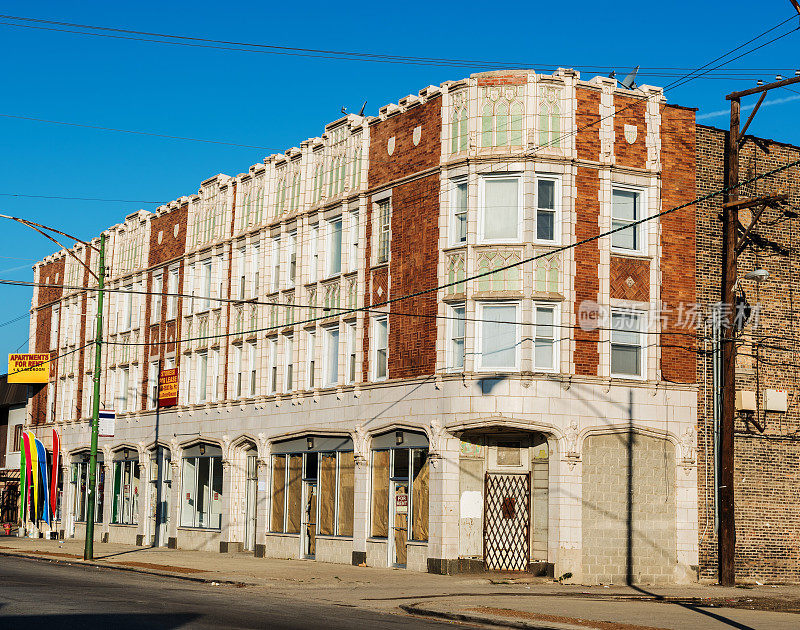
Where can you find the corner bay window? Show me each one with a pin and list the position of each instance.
(201, 498)
(499, 338)
(544, 337)
(501, 202)
(313, 487)
(125, 506)
(546, 200)
(627, 352)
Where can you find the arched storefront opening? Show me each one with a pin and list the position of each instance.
(201, 496)
(159, 495)
(79, 477)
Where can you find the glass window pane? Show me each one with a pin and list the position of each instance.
(498, 342)
(400, 468)
(546, 194)
(625, 360)
(203, 491)
(189, 495)
(501, 201)
(333, 356)
(543, 350)
(625, 205)
(624, 239)
(215, 517)
(335, 250)
(545, 225)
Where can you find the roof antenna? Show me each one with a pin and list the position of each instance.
(613, 74)
(629, 82)
(344, 110)
(361, 112)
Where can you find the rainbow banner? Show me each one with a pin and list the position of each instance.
(54, 474)
(23, 481)
(26, 440)
(34, 475)
(41, 453)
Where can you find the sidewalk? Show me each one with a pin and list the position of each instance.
(529, 603)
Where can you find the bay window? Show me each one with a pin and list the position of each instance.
(627, 351)
(500, 206)
(499, 336)
(545, 342)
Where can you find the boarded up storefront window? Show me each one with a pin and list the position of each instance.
(294, 490)
(278, 483)
(327, 493)
(346, 493)
(419, 522)
(380, 493)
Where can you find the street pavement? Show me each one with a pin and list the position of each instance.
(238, 590)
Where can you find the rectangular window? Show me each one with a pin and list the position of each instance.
(499, 339)
(122, 393)
(54, 326)
(255, 268)
(352, 257)
(252, 365)
(381, 461)
(273, 366)
(172, 289)
(351, 352)
(384, 230)
(241, 257)
(202, 378)
(214, 376)
(276, 264)
(152, 385)
(501, 202)
(546, 206)
(545, 341)
(457, 337)
(311, 351)
(125, 505)
(292, 258)
(155, 300)
(205, 285)
(459, 204)
(202, 492)
(335, 246)
(238, 368)
(288, 359)
(314, 254)
(191, 284)
(127, 307)
(381, 344)
(625, 210)
(331, 356)
(627, 353)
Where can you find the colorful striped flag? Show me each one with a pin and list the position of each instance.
(54, 474)
(41, 453)
(34, 469)
(26, 441)
(23, 481)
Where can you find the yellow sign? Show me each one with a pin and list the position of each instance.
(29, 368)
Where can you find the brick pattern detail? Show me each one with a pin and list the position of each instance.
(630, 111)
(678, 286)
(587, 121)
(767, 465)
(587, 285)
(630, 279)
(505, 79)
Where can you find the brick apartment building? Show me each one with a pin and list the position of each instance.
(13, 401)
(767, 431)
(470, 426)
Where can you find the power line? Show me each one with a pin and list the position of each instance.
(2, 194)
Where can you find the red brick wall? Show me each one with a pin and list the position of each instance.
(49, 273)
(630, 279)
(678, 351)
(414, 235)
(587, 120)
(587, 285)
(630, 111)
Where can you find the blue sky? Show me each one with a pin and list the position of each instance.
(277, 101)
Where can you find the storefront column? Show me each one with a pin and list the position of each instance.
(262, 503)
(443, 508)
(108, 498)
(144, 495)
(566, 490)
(67, 503)
(174, 502)
(226, 529)
(360, 510)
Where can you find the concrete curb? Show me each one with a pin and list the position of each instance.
(497, 622)
(103, 565)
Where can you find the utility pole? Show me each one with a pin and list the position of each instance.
(732, 246)
(88, 549)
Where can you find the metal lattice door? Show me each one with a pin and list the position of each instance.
(506, 522)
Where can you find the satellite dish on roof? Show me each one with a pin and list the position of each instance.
(629, 82)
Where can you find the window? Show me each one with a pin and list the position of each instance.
(352, 258)
(455, 351)
(172, 289)
(351, 352)
(545, 342)
(288, 358)
(152, 385)
(625, 210)
(204, 303)
(191, 284)
(381, 347)
(125, 506)
(214, 375)
(292, 258)
(241, 256)
(335, 246)
(273, 366)
(384, 230)
(202, 490)
(80, 476)
(202, 378)
(501, 202)
(219, 277)
(54, 326)
(314, 254)
(459, 204)
(311, 350)
(499, 339)
(122, 395)
(127, 308)
(252, 364)
(626, 344)
(238, 369)
(331, 356)
(547, 195)
(16, 440)
(155, 300)
(393, 470)
(276, 264)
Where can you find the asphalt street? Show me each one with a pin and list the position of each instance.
(39, 594)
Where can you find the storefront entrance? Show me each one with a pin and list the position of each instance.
(251, 484)
(400, 502)
(507, 515)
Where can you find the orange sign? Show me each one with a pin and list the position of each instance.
(168, 387)
(29, 368)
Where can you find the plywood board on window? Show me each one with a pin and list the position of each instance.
(294, 494)
(380, 494)
(346, 493)
(419, 523)
(327, 493)
(278, 489)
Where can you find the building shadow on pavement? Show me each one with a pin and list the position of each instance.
(122, 621)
